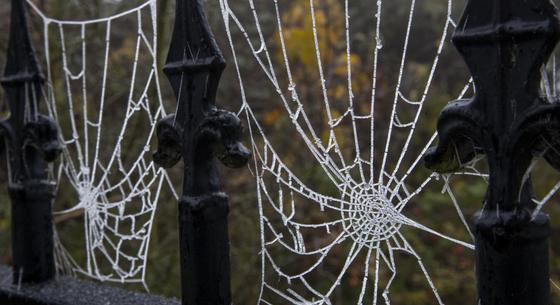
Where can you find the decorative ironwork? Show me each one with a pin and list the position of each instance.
(505, 43)
(32, 141)
(199, 132)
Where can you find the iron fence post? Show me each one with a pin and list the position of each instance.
(31, 141)
(505, 43)
(198, 133)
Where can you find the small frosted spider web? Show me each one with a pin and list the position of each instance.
(106, 158)
(373, 171)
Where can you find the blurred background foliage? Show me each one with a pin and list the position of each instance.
(451, 266)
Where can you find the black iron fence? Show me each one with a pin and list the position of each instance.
(505, 43)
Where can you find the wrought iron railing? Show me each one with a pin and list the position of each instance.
(504, 42)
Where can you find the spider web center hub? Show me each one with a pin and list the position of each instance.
(370, 215)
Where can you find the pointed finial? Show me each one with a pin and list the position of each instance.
(21, 64)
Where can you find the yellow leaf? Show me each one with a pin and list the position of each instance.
(271, 117)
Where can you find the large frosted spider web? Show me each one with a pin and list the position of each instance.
(363, 213)
(106, 161)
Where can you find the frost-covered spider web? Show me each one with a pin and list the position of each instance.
(94, 67)
(353, 215)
